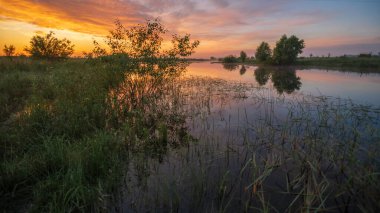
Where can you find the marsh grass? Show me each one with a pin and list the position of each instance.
(342, 62)
(257, 151)
(66, 130)
(115, 134)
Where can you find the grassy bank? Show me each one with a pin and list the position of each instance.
(340, 62)
(360, 64)
(67, 126)
(118, 134)
(259, 152)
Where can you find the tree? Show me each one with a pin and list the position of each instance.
(287, 49)
(263, 52)
(182, 46)
(145, 41)
(243, 56)
(9, 50)
(50, 47)
(230, 59)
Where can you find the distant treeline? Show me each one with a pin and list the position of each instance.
(287, 50)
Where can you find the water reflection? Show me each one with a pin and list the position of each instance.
(230, 67)
(262, 76)
(243, 70)
(147, 106)
(284, 79)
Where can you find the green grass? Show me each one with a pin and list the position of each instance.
(359, 64)
(275, 154)
(341, 62)
(88, 135)
(66, 132)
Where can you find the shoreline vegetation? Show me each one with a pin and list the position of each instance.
(286, 53)
(353, 63)
(67, 126)
(124, 130)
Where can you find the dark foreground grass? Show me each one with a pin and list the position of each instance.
(65, 130)
(56, 153)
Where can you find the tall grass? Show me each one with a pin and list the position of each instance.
(342, 62)
(63, 137)
(116, 134)
(260, 152)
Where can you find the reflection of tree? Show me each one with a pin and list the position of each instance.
(230, 66)
(262, 75)
(242, 70)
(283, 79)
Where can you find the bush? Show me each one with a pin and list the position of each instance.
(287, 49)
(263, 52)
(49, 47)
(230, 59)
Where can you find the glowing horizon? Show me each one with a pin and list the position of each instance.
(223, 27)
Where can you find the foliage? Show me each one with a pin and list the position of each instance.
(287, 49)
(263, 52)
(145, 41)
(9, 50)
(343, 62)
(49, 47)
(243, 56)
(365, 55)
(96, 52)
(230, 59)
(69, 126)
(182, 46)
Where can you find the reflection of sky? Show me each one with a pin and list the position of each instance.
(223, 26)
(361, 88)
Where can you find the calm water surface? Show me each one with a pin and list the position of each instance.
(361, 88)
(259, 135)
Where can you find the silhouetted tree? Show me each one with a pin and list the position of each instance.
(145, 41)
(263, 52)
(49, 47)
(287, 49)
(97, 51)
(182, 46)
(243, 56)
(230, 59)
(9, 50)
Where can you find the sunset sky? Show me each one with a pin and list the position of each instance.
(223, 26)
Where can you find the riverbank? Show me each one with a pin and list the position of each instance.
(90, 135)
(67, 128)
(355, 64)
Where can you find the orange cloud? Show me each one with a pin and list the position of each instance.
(94, 17)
